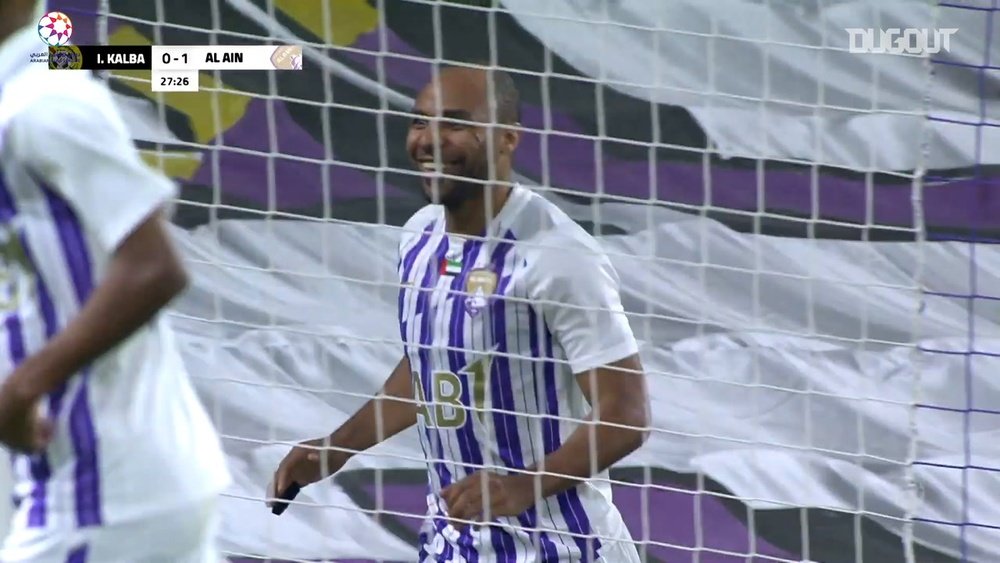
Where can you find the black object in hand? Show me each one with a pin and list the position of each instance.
(288, 494)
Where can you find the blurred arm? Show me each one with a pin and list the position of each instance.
(144, 274)
(394, 405)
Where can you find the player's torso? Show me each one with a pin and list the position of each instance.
(130, 435)
(124, 424)
(472, 338)
(493, 392)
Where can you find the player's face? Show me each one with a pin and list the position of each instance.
(448, 139)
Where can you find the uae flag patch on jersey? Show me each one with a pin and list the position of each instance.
(451, 265)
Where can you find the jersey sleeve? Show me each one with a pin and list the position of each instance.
(78, 145)
(577, 291)
(414, 228)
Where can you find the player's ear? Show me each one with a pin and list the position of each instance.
(510, 136)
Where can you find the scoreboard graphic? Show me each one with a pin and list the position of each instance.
(175, 68)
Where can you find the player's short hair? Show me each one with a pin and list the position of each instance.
(505, 92)
(508, 98)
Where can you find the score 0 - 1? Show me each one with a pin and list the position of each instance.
(175, 58)
(227, 57)
(181, 58)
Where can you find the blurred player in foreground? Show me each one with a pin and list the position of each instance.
(501, 337)
(116, 459)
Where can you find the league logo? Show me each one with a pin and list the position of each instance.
(479, 286)
(287, 57)
(65, 57)
(55, 28)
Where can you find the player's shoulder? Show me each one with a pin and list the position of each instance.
(543, 228)
(425, 217)
(552, 245)
(37, 96)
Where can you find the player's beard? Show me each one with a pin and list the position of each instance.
(461, 193)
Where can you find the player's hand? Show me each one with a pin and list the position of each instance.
(22, 426)
(307, 463)
(507, 495)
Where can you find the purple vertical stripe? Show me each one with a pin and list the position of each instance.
(41, 472)
(449, 551)
(73, 244)
(86, 474)
(456, 356)
(422, 554)
(425, 337)
(569, 501)
(507, 440)
(38, 465)
(467, 443)
(82, 433)
(500, 539)
(407, 268)
(78, 555)
(550, 554)
(570, 505)
(406, 263)
(425, 334)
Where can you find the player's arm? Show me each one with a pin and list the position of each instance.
(390, 412)
(578, 294)
(143, 276)
(618, 426)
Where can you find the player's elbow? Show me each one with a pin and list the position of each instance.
(175, 279)
(636, 421)
(147, 264)
(160, 279)
(630, 415)
(170, 279)
(627, 403)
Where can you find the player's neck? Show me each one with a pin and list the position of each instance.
(471, 217)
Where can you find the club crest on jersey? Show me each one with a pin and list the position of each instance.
(287, 57)
(479, 287)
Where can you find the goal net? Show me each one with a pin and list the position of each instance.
(803, 235)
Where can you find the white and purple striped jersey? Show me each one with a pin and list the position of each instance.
(132, 439)
(495, 330)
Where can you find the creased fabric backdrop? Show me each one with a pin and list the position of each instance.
(755, 91)
(784, 368)
(740, 391)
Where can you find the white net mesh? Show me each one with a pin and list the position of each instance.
(820, 374)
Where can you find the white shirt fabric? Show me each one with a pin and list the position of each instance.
(132, 439)
(495, 332)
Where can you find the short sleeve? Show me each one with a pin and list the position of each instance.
(78, 145)
(577, 290)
